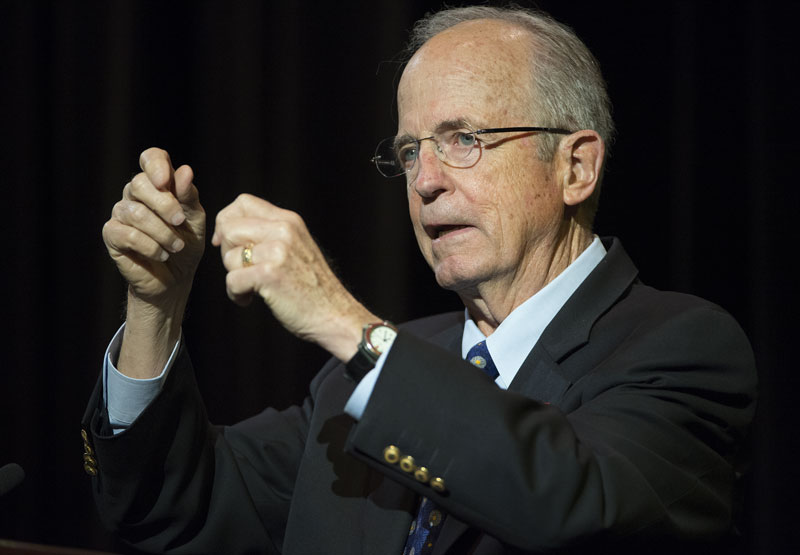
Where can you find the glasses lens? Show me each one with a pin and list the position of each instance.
(386, 159)
(461, 147)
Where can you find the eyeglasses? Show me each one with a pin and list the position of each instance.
(458, 148)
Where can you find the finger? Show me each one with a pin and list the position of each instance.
(121, 238)
(156, 164)
(241, 231)
(240, 285)
(234, 258)
(185, 191)
(230, 212)
(164, 204)
(267, 270)
(247, 206)
(234, 229)
(139, 216)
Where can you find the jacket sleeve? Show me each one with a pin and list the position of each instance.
(641, 442)
(173, 483)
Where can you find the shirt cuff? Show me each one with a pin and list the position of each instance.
(358, 400)
(127, 397)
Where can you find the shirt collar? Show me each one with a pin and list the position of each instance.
(516, 336)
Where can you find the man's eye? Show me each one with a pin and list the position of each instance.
(465, 139)
(407, 153)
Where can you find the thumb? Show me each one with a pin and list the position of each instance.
(185, 191)
(189, 198)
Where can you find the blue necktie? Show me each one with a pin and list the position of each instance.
(480, 357)
(426, 527)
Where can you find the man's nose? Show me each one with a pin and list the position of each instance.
(429, 179)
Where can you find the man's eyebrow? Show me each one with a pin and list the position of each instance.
(441, 127)
(404, 139)
(452, 124)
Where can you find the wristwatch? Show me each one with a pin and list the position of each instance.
(376, 338)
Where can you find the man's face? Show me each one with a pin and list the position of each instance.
(495, 223)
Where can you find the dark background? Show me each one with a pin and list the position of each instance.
(287, 101)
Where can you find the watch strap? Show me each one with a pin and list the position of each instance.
(358, 366)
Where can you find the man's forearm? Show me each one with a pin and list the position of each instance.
(149, 337)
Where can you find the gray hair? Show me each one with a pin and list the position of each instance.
(569, 89)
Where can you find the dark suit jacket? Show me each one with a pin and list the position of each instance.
(620, 433)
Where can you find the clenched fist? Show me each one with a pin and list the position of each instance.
(156, 232)
(288, 271)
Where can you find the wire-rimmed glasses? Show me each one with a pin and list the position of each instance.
(458, 148)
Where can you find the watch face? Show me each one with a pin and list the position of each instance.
(381, 338)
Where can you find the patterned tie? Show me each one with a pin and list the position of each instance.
(426, 527)
(480, 357)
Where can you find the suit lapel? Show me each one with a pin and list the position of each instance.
(541, 376)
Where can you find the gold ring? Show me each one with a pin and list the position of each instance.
(247, 255)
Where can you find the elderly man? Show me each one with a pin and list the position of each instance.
(612, 414)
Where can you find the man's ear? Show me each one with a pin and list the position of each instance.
(579, 160)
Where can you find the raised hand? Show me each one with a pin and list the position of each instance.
(288, 271)
(156, 237)
(156, 232)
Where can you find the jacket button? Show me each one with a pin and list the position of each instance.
(421, 474)
(437, 484)
(391, 454)
(407, 464)
(86, 445)
(89, 462)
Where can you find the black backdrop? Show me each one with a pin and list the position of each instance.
(287, 102)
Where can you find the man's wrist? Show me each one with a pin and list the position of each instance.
(343, 334)
(376, 339)
(150, 334)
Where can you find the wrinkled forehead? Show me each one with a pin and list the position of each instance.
(474, 70)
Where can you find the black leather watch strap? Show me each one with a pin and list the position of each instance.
(358, 366)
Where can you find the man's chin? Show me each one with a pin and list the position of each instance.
(457, 279)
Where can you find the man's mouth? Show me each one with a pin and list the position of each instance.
(439, 231)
